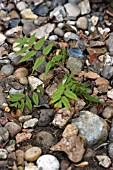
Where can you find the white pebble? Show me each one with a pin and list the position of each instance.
(48, 162)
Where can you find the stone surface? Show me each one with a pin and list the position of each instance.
(107, 112)
(2, 38)
(92, 128)
(21, 5)
(31, 166)
(4, 134)
(25, 118)
(11, 32)
(91, 75)
(59, 32)
(44, 31)
(21, 72)
(72, 10)
(53, 37)
(71, 143)
(30, 123)
(13, 128)
(48, 162)
(75, 65)
(110, 94)
(110, 150)
(7, 69)
(109, 43)
(33, 154)
(104, 161)
(28, 14)
(84, 7)
(19, 157)
(82, 23)
(20, 137)
(59, 13)
(107, 71)
(3, 154)
(100, 81)
(34, 82)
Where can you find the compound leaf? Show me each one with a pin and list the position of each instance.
(21, 106)
(39, 44)
(91, 98)
(55, 98)
(15, 97)
(58, 104)
(27, 56)
(70, 94)
(24, 49)
(48, 66)
(32, 39)
(47, 49)
(57, 58)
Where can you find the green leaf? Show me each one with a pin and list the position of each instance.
(15, 97)
(57, 58)
(38, 62)
(58, 92)
(32, 39)
(65, 101)
(24, 49)
(39, 44)
(35, 98)
(29, 103)
(91, 98)
(70, 94)
(58, 104)
(14, 104)
(19, 41)
(55, 98)
(48, 66)
(27, 56)
(47, 49)
(22, 105)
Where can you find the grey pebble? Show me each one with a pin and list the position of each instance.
(59, 32)
(7, 69)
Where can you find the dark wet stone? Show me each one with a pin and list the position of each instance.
(45, 117)
(43, 101)
(41, 10)
(110, 150)
(45, 139)
(75, 52)
(13, 22)
(111, 135)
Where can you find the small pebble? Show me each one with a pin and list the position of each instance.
(53, 37)
(33, 154)
(7, 69)
(30, 123)
(3, 154)
(13, 128)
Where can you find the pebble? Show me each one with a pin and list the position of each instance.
(4, 134)
(13, 128)
(75, 65)
(44, 139)
(84, 7)
(94, 20)
(48, 162)
(28, 14)
(2, 100)
(23, 80)
(74, 1)
(104, 161)
(111, 134)
(7, 69)
(40, 21)
(72, 10)
(91, 75)
(28, 27)
(34, 82)
(100, 81)
(109, 43)
(59, 13)
(21, 5)
(3, 154)
(70, 36)
(82, 23)
(87, 124)
(30, 166)
(2, 38)
(21, 72)
(75, 52)
(14, 91)
(59, 32)
(33, 154)
(31, 123)
(19, 157)
(11, 32)
(41, 10)
(110, 94)
(44, 31)
(15, 48)
(25, 118)
(107, 71)
(53, 37)
(110, 150)
(20, 137)
(11, 146)
(107, 112)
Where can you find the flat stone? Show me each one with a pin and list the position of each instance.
(34, 81)
(3, 154)
(92, 128)
(71, 143)
(100, 81)
(4, 134)
(19, 157)
(109, 43)
(13, 128)
(30, 123)
(44, 31)
(33, 154)
(21, 5)
(59, 13)
(2, 38)
(110, 94)
(41, 10)
(75, 65)
(28, 27)
(107, 71)
(20, 137)
(91, 75)
(72, 10)
(48, 162)
(28, 14)
(82, 23)
(84, 7)
(25, 118)
(11, 32)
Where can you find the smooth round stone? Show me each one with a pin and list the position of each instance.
(28, 27)
(11, 146)
(13, 128)
(30, 123)
(7, 69)
(48, 162)
(21, 72)
(33, 154)
(31, 166)
(53, 37)
(110, 150)
(3, 154)
(19, 157)
(108, 112)
(82, 23)
(21, 5)
(28, 14)
(60, 25)
(59, 32)
(15, 58)
(4, 134)
(72, 10)
(23, 80)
